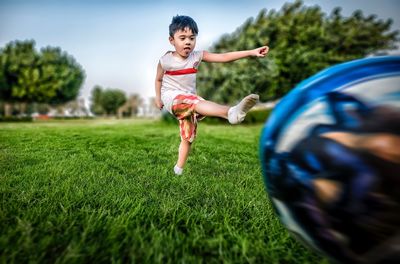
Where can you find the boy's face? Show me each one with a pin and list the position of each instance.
(184, 42)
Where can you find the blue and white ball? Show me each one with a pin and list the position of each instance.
(330, 154)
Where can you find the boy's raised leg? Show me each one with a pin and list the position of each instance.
(208, 108)
(234, 114)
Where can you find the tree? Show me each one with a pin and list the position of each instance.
(50, 76)
(96, 106)
(302, 40)
(131, 107)
(111, 100)
(106, 101)
(66, 75)
(17, 62)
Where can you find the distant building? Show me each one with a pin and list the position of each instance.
(149, 109)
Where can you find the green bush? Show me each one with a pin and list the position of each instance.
(71, 117)
(257, 116)
(15, 119)
(168, 118)
(214, 121)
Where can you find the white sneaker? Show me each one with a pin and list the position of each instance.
(178, 170)
(237, 113)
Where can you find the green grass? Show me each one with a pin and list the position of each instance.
(104, 191)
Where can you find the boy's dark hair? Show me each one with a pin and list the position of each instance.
(182, 22)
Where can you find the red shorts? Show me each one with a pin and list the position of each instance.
(183, 109)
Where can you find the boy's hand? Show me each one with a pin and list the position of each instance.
(159, 103)
(261, 52)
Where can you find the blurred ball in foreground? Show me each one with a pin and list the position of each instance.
(330, 154)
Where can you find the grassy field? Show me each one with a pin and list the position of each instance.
(104, 192)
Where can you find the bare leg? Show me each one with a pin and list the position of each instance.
(235, 114)
(208, 108)
(184, 149)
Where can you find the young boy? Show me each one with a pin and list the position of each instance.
(175, 84)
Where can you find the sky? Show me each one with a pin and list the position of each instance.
(118, 43)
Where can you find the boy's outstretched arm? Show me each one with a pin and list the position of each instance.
(159, 77)
(234, 55)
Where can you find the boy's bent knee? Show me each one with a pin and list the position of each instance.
(187, 140)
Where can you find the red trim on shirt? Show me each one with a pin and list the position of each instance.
(182, 72)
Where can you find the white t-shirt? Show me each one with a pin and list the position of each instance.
(179, 76)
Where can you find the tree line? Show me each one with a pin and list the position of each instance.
(302, 39)
(51, 78)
